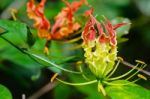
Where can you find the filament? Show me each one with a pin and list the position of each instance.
(125, 73)
(114, 84)
(81, 70)
(136, 72)
(77, 84)
(114, 69)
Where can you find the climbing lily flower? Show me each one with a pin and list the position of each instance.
(100, 52)
(36, 12)
(65, 23)
(100, 46)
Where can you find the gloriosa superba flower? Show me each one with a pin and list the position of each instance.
(100, 46)
(101, 50)
(64, 25)
(36, 12)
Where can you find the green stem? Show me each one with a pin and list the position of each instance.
(77, 84)
(136, 80)
(101, 88)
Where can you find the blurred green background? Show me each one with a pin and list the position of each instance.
(21, 75)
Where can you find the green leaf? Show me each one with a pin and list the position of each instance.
(45, 61)
(2, 30)
(36, 76)
(124, 29)
(7, 52)
(30, 38)
(58, 54)
(5, 3)
(17, 32)
(63, 90)
(130, 91)
(5, 93)
(17, 35)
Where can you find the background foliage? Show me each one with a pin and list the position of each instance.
(21, 75)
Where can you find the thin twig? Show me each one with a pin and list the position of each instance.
(43, 90)
(132, 66)
(23, 96)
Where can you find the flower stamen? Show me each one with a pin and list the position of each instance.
(141, 76)
(54, 77)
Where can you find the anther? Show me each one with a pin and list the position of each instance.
(46, 50)
(142, 76)
(54, 77)
(120, 58)
(139, 61)
(79, 62)
(13, 12)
